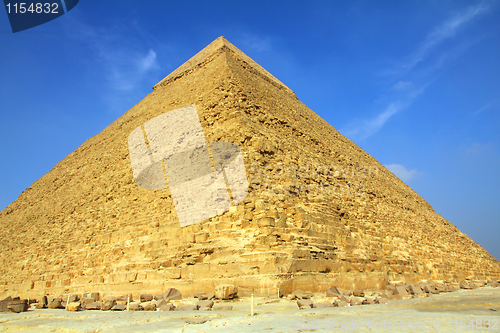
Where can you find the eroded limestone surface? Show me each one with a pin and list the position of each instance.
(319, 211)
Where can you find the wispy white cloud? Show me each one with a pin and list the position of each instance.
(126, 69)
(149, 61)
(360, 129)
(404, 91)
(443, 32)
(475, 149)
(123, 56)
(363, 128)
(402, 85)
(402, 172)
(484, 107)
(256, 43)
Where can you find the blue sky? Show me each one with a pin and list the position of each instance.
(416, 84)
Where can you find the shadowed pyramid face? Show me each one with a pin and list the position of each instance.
(174, 142)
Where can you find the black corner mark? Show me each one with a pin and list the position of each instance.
(28, 14)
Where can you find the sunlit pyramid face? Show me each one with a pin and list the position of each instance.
(174, 142)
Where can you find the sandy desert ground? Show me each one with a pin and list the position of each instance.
(460, 311)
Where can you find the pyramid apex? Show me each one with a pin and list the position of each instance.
(206, 53)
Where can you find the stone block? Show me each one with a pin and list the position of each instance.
(119, 307)
(304, 303)
(95, 296)
(440, 288)
(299, 294)
(93, 306)
(42, 303)
(387, 294)
(187, 308)
(368, 301)
(73, 298)
(52, 299)
(18, 306)
(205, 304)
(86, 300)
(381, 300)
(340, 304)
(161, 302)
(493, 284)
(149, 306)
(171, 293)
(146, 297)
(358, 293)
(265, 222)
(356, 300)
(226, 291)
(415, 290)
(345, 299)
(201, 237)
(429, 289)
(401, 290)
(204, 296)
(166, 307)
(108, 305)
(74, 306)
(135, 307)
(56, 304)
(334, 292)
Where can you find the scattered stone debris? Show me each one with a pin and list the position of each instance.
(393, 292)
(299, 294)
(207, 301)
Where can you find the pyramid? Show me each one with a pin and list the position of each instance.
(316, 209)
